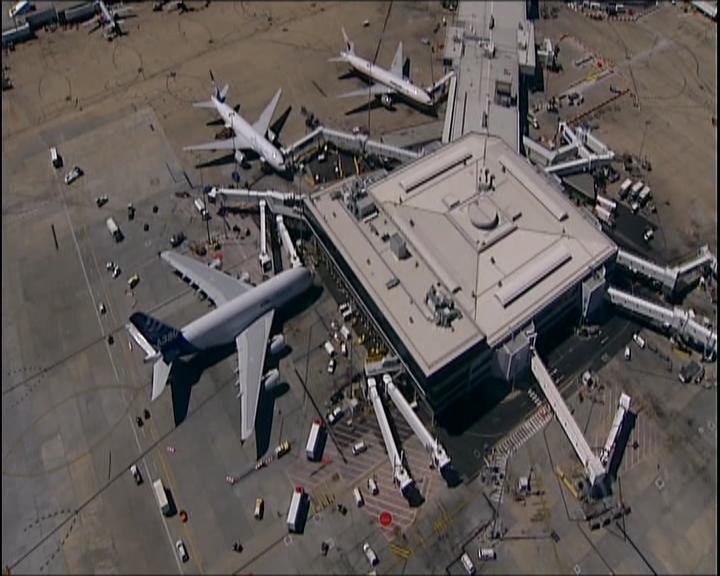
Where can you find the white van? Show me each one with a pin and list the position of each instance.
(329, 348)
(359, 448)
(55, 158)
(639, 340)
(467, 564)
(372, 486)
(487, 554)
(359, 500)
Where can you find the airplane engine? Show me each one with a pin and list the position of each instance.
(386, 100)
(239, 156)
(277, 344)
(271, 379)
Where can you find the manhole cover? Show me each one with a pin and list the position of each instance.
(385, 519)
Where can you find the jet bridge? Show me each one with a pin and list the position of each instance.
(594, 469)
(671, 277)
(265, 261)
(589, 149)
(255, 195)
(677, 319)
(400, 474)
(623, 407)
(439, 457)
(287, 242)
(346, 140)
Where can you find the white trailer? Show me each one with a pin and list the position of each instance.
(294, 516)
(161, 497)
(635, 190)
(604, 215)
(606, 203)
(312, 450)
(625, 187)
(200, 207)
(114, 229)
(644, 195)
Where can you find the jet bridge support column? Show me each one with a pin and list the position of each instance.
(594, 469)
(400, 474)
(439, 457)
(287, 242)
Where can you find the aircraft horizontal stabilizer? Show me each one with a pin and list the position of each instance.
(161, 372)
(336, 59)
(204, 104)
(151, 353)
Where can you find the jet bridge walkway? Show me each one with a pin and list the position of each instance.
(594, 469)
(287, 242)
(590, 151)
(610, 443)
(439, 457)
(400, 474)
(677, 319)
(670, 277)
(346, 140)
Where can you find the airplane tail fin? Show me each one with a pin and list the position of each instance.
(218, 93)
(350, 45)
(161, 343)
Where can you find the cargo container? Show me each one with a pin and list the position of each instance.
(313, 450)
(295, 512)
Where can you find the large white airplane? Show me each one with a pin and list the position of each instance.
(256, 137)
(244, 314)
(389, 84)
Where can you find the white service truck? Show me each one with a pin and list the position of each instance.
(161, 497)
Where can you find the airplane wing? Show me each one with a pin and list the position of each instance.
(373, 90)
(218, 286)
(262, 124)
(251, 347)
(236, 143)
(397, 64)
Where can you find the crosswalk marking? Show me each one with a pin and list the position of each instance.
(524, 432)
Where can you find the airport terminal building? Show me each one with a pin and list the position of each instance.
(460, 259)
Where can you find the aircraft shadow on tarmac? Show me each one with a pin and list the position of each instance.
(187, 372)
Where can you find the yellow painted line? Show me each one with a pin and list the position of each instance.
(401, 552)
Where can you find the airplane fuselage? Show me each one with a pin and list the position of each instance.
(222, 325)
(401, 85)
(258, 142)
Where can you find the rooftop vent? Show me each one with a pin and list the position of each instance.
(483, 214)
(398, 247)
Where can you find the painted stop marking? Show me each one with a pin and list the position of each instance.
(385, 519)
